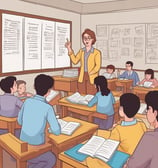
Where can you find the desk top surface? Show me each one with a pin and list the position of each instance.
(83, 129)
(144, 88)
(125, 80)
(66, 79)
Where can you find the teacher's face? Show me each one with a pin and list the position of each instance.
(87, 40)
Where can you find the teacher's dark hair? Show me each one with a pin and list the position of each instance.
(101, 82)
(91, 34)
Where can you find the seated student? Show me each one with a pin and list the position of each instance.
(109, 74)
(146, 153)
(149, 80)
(21, 90)
(33, 117)
(129, 131)
(9, 104)
(104, 100)
(129, 73)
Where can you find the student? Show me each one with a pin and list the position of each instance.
(9, 104)
(149, 79)
(146, 153)
(129, 73)
(21, 90)
(104, 100)
(109, 74)
(90, 60)
(33, 117)
(128, 132)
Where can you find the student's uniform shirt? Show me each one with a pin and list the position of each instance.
(109, 76)
(128, 134)
(146, 153)
(132, 75)
(154, 82)
(104, 103)
(33, 117)
(10, 105)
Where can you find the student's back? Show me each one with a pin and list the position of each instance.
(104, 103)
(128, 136)
(9, 105)
(33, 117)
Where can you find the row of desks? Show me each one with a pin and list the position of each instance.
(70, 85)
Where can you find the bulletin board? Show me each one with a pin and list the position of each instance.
(137, 42)
(32, 44)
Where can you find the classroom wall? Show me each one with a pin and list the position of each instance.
(24, 7)
(122, 17)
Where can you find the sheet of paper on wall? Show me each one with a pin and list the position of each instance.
(142, 108)
(70, 73)
(52, 95)
(79, 99)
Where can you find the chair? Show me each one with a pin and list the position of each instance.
(9, 123)
(20, 150)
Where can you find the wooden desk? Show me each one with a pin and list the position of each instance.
(126, 84)
(9, 123)
(142, 91)
(68, 162)
(65, 84)
(83, 110)
(63, 142)
(111, 84)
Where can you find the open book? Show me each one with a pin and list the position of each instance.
(100, 148)
(147, 84)
(52, 95)
(79, 99)
(142, 108)
(68, 127)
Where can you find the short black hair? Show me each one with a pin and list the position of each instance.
(150, 72)
(43, 83)
(7, 83)
(130, 62)
(130, 103)
(151, 99)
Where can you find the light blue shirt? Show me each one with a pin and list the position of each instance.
(134, 76)
(33, 117)
(128, 123)
(86, 55)
(104, 103)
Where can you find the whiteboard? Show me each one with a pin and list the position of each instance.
(33, 44)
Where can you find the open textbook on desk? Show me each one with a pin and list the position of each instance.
(100, 148)
(68, 127)
(79, 99)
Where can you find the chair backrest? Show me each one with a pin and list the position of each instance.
(8, 123)
(10, 141)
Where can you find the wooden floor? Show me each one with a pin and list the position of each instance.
(8, 162)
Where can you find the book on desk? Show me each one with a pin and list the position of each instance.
(77, 98)
(99, 147)
(67, 128)
(117, 159)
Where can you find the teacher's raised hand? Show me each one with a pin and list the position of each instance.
(68, 45)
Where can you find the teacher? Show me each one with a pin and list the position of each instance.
(90, 61)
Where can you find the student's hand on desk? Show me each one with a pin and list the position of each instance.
(152, 86)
